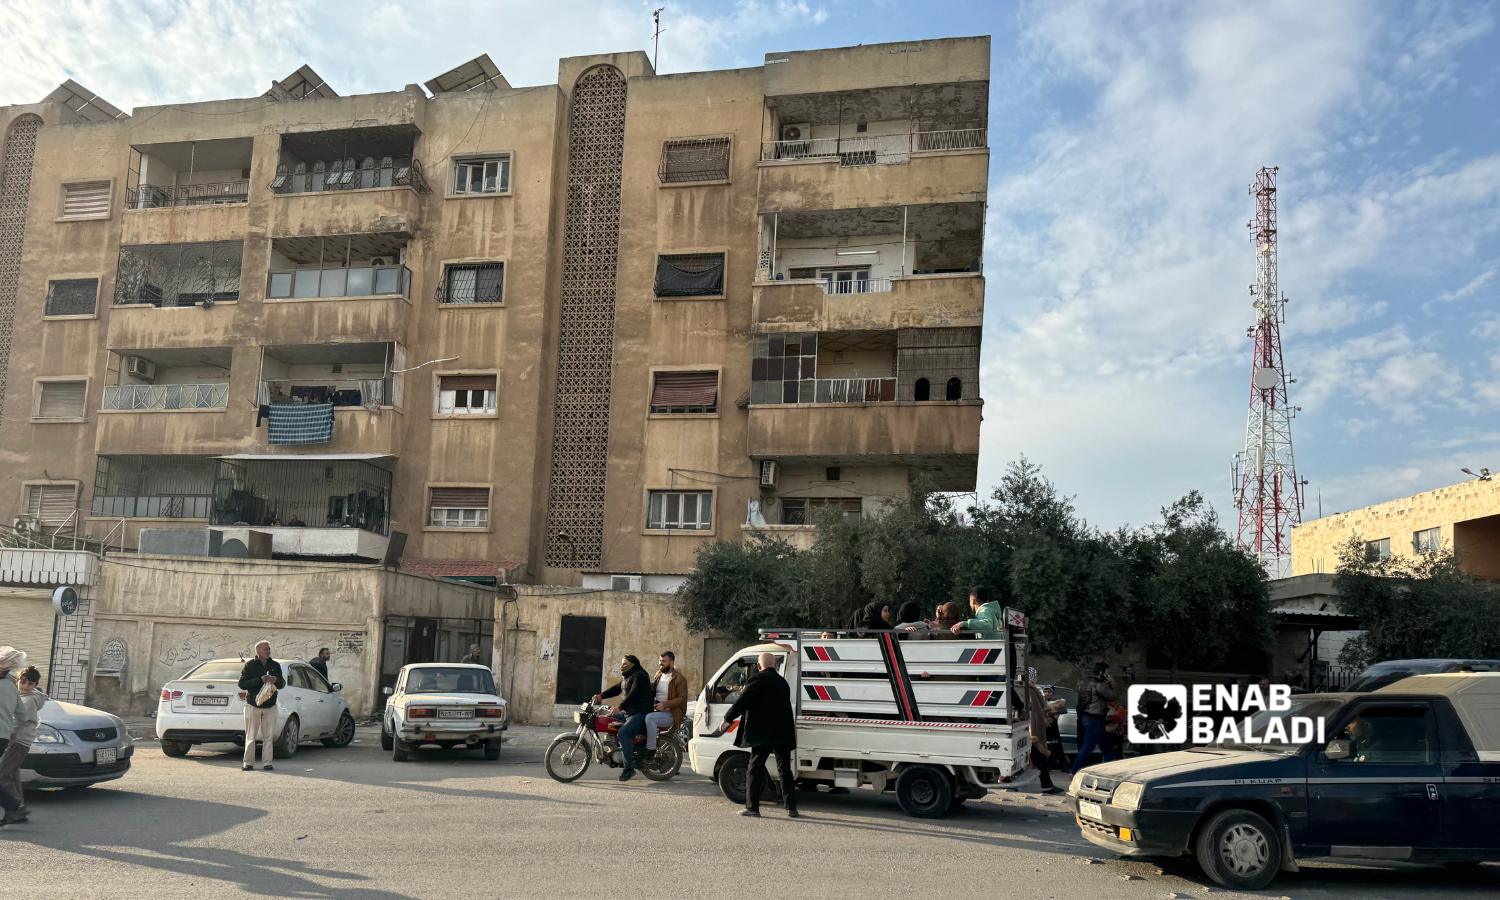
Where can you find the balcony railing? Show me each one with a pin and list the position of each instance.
(348, 175)
(158, 506)
(150, 196)
(358, 281)
(858, 286)
(165, 396)
(854, 390)
(866, 150)
(366, 392)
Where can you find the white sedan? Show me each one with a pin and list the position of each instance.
(443, 705)
(206, 706)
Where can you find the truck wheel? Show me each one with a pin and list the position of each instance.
(733, 778)
(175, 748)
(386, 740)
(1238, 849)
(285, 746)
(924, 792)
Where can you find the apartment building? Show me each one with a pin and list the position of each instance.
(565, 333)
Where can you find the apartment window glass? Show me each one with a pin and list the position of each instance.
(466, 395)
(805, 510)
(87, 200)
(60, 399)
(1377, 550)
(482, 175)
(784, 367)
(72, 297)
(50, 504)
(1428, 540)
(690, 275)
(694, 159)
(459, 508)
(685, 392)
(681, 510)
(473, 283)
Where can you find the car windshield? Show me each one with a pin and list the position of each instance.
(1378, 676)
(218, 670)
(457, 680)
(1285, 736)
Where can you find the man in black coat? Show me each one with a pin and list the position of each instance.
(260, 717)
(636, 700)
(765, 705)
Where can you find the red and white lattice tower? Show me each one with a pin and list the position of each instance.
(1268, 494)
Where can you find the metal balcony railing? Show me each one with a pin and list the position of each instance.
(165, 396)
(854, 390)
(150, 196)
(158, 506)
(865, 149)
(355, 281)
(858, 286)
(349, 174)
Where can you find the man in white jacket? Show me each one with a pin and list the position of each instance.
(21, 737)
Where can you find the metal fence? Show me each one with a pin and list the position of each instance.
(857, 286)
(864, 149)
(165, 396)
(854, 390)
(161, 506)
(349, 174)
(150, 196)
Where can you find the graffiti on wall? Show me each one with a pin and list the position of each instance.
(112, 659)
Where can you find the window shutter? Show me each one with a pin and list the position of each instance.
(86, 201)
(460, 498)
(674, 390)
(50, 504)
(466, 383)
(61, 400)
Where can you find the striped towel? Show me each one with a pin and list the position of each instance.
(301, 423)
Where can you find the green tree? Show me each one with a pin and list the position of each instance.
(739, 588)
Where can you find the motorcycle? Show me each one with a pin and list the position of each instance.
(597, 739)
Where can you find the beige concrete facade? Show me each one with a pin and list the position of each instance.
(896, 161)
(1466, 517)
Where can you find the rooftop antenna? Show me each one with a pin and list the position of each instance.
(1268, 494)
(656, 36)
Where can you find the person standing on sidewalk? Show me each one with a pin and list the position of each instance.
(10, 710)
(1036, 709)
(768, 728)
(21, 737)
(1094, 698)
(259, 673)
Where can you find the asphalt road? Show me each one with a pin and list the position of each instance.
(352, 823)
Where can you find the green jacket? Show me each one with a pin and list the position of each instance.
(989, 622)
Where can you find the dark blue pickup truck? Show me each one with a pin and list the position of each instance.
(1407, 772)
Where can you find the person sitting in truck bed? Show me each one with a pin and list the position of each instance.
(911, 625)
(989, 619)
(948, 615)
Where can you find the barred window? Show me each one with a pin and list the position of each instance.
(681, 510)
(459, 508)
(476, 283)
(685, 392)
(694, 159)
(72, 297)
(690, 275)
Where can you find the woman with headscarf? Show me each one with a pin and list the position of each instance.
(875, 616)
(910, 623)
(10, 711)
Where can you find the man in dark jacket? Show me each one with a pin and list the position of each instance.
(636, 698)
(320, 662)
(1094, 697)
(260, 672)
(767, 727)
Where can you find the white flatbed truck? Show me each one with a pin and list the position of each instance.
(936, 721)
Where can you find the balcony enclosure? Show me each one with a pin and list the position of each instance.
(848, 367)
(344, 375)
(153, 487)
(876, 126)
(856, 251)
(347, 265)
(302, 493)
(179, 274)
(188, 173)
(167, 379)
(347, 159)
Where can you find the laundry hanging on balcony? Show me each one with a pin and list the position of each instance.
(300, 423)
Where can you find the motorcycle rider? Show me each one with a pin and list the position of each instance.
(636, 698)
(670, 692)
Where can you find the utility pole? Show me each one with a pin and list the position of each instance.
(656, 36)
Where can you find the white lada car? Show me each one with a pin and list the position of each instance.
(443, 705)
(206, 706)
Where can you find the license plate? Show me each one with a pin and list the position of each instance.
(105, 757)
(455, 714)
(205, 700)
(1090, 809)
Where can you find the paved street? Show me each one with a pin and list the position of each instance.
(351, 823)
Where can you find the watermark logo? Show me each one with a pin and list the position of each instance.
(1212, 714)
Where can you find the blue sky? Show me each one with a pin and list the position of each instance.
(1122, 135)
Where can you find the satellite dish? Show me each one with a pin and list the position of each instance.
(1266, 378)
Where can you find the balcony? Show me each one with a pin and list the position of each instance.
(189, 173)
(939, 439)
(164, 397)
(164, 380)
(174, 275)
(329, 493)
(331, 398)
(867, 150)
(349, 180)
(917, 301)
(339, 281)
(135, 486)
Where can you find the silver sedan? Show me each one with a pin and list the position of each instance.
(76, 746)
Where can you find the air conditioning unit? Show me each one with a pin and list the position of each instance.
(26, 523)
(382, 261)
(768, 473)
(796, 132)
(625, 583)
(796, 141)
(140, 367)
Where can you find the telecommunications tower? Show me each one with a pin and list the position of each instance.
(1267, 493)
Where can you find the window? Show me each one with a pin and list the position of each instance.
(1428, 540)
(685, 392)
(690, 275)
(784, 367)
(60, 399)
(71, 297)
(473, 283)
(484, 175)
(694, 159)
(88, 200)
(466, 395)
(1399, 735)
(805, 510)
(50, 504)
(1377, 550)
(459, 508)
(955, 389)
(922, 390)
(297, 678)
(680, 510)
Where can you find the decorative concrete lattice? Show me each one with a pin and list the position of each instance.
(15, 192)
(591, 243)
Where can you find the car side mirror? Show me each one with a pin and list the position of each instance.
(1338, 749)
(338, 686)
(387, 691)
